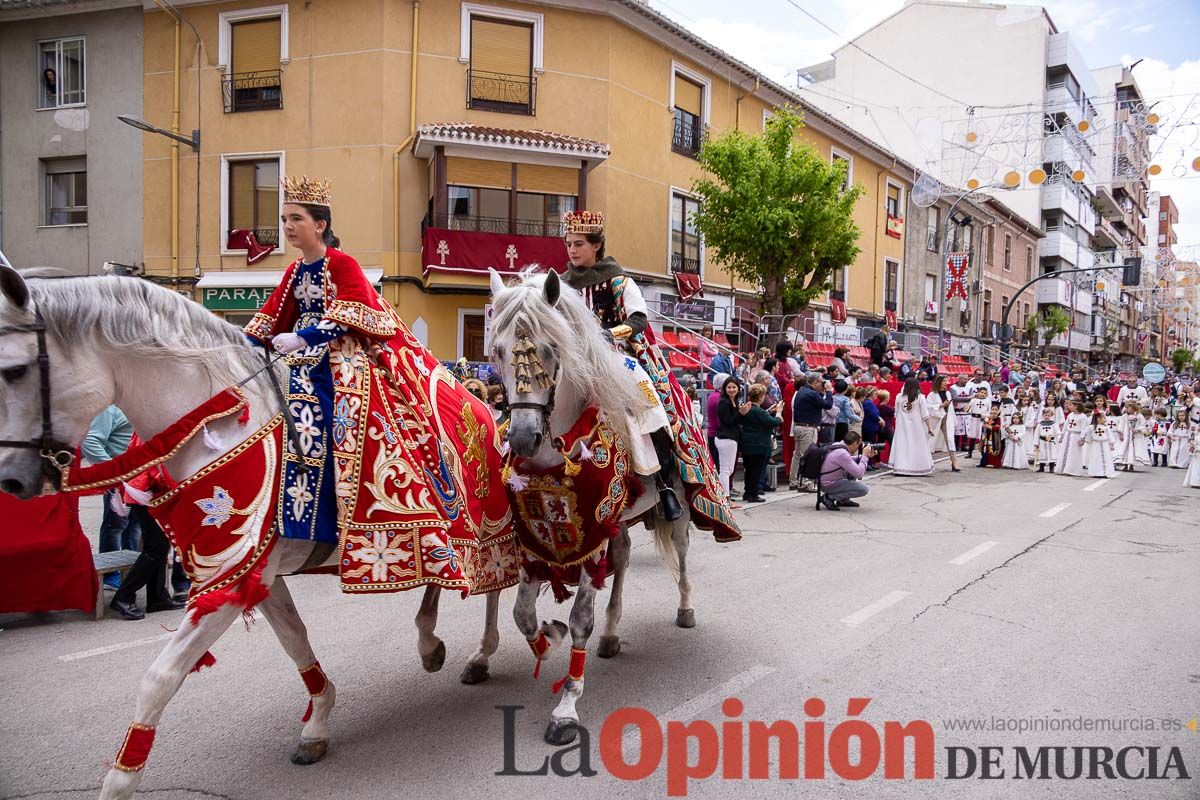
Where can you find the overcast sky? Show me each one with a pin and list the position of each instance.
(776, 37)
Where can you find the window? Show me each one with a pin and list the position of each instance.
(478, 209)
(989, 243)
(1008, 252)
(500, 75)
(987, 305)
(1028, 263)
(1024, 314)
(930, 296)
(933, 234)
(891, 283)
(836, 156)
(541, 214)
(254, 80)
(685, 239)
(65, 191)
(1003, 304)
(62, 74)
(689, 104)
(893, 201)
(252, 197)
(1162, 238)
(1162, 215)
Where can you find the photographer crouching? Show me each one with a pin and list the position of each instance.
(842, 472)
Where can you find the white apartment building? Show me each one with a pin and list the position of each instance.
(997, 99)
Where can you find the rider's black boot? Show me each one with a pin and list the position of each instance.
(664, 448)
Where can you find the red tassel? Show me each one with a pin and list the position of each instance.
(206, 660)
(307, 713)
(247, 593)
(537, 668)
(559, 684)
(244, 417)
(539, 646)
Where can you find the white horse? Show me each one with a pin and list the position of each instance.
(587, 372)
(157, 355)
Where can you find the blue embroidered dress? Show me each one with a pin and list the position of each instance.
(308, 505)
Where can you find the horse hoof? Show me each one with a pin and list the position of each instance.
(434, 661)
(561, 731)
(609, 646)
(474, 673)
(310, 751)
(686, 618)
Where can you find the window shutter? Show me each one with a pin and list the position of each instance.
(256, 46)
(547, 180)
(688, 96)
(478, 172)
(501, 47)
(241, 195)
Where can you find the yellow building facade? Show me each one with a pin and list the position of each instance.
(516, 113)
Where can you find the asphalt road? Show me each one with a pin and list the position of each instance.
(955, 599)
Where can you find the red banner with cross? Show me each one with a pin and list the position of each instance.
(956, 275)
(473, 252)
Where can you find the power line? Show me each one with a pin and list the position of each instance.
(873, 57)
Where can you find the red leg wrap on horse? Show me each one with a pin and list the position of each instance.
(316, 683)
(206, 660)
(539, 646)
(574, 672)
(135, 749)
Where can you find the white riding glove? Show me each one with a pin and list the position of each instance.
(288, 343)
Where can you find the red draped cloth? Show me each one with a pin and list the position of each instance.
(896, 388)
(45, 559)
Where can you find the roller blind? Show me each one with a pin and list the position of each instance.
(478, 172)
(255, 46)
(688, 96)
(241, 195)
(547, 180)
(501, 47)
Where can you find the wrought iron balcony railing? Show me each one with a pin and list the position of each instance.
(498, 91)
(688, 266)
(253, 91)
(502, 225)
(687, 137)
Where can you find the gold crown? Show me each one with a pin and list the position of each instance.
(584, 221)
(307, 191)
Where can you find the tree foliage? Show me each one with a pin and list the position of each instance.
(775, 212)
(1181, 359)
(1045, 326)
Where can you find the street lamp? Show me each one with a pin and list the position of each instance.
(142, 125)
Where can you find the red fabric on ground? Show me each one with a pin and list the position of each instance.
(45, 558)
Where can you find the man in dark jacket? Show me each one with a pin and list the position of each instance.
(878, 345)
(807, 406)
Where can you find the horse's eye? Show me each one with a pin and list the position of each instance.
(14, 374)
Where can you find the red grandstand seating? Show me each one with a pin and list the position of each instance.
(688, 341)
(670, 338)
(683, 361)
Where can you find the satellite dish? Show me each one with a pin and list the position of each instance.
(926, 191)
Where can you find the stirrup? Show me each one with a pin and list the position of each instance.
(670, 504)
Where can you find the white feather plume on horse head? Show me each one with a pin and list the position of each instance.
(589, 363)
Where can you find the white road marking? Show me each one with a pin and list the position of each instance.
(1091, 487)
(697, 705)
(879, 605)
(1050, 512)
(112, 648)
(973, 552)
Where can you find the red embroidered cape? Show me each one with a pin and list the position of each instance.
(418, 463)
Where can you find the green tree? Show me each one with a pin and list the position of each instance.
(1045, 326)
(775, 212)
(1181, 358)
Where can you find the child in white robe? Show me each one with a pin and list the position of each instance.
(1098, 435)
(1178, 441)
(1191, 479)
(1045, 441)
(1128, 424)
(1113, 419)
(1141, 437)
(980, 408)
(1070, 451)
(1015, 456)
(1159, 441)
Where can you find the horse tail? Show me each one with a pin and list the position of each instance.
(665, 545)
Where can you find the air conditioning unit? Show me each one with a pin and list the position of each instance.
(976, 286)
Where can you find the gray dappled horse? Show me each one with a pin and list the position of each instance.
(587, 372)
(158, 355)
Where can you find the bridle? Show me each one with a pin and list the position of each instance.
(525, 379)
(56, 454)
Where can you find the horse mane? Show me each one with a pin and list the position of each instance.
(152, 322)
(588, 361)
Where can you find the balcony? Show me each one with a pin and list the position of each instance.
(502, 225)
(501, 92)
(1059, 244)
(1054, 291)
(685, 266)
(686, 138)
(1060, 101)
(252, 91)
